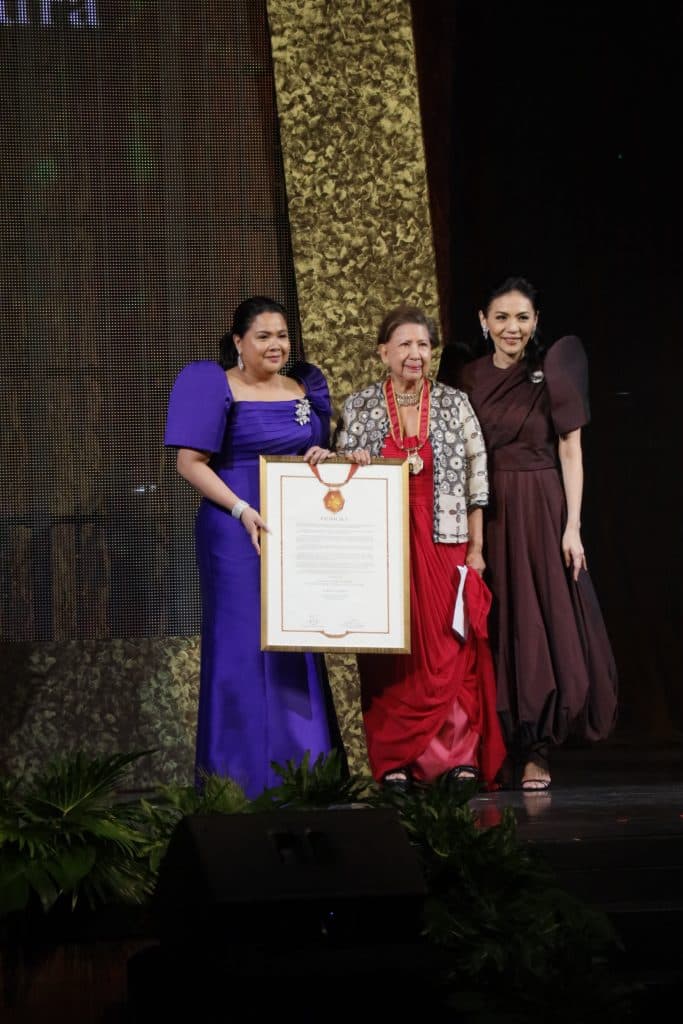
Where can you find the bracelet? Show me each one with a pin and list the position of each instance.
(238, 508)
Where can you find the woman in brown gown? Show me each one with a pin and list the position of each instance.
(555, 669)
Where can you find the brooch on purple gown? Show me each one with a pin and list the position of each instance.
(302, 411)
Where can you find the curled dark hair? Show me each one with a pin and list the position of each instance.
(242, 319)
(535, 349)
(406, 314)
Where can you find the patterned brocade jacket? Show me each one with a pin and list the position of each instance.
(460, 473)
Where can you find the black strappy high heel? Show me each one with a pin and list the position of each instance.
(536, 758)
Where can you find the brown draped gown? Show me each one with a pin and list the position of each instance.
(555, 670)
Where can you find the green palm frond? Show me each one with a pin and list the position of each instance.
(75, 782)
(215, 795)
(70, 834)
(322, 783)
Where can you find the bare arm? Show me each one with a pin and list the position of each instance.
(571, 463)
(194, 467)
(475, 543)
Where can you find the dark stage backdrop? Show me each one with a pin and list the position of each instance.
(142, 198)
(550, 139)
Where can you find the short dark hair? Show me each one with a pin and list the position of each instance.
(406, 314)
(242, 319)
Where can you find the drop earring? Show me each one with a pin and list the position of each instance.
(240, 361)
(485, 332)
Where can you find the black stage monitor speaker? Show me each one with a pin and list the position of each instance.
(334, 877)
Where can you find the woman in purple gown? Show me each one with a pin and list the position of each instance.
(555, 672)
(255, 706)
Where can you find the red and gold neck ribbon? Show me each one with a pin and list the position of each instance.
(334, 499)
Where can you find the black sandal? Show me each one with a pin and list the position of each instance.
(462, 774)
(397, 780)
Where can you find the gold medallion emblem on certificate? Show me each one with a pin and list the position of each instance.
(334, 501)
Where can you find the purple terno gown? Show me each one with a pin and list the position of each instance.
(555, 669)
(254, 706)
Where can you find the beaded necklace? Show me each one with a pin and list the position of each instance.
(415, 463)
(407, 397)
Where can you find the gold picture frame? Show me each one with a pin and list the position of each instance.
(335, 560)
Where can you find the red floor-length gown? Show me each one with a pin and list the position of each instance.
(433, 709)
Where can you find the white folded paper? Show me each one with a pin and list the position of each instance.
(461, 622)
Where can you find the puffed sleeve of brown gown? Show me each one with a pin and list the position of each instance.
(566, 376)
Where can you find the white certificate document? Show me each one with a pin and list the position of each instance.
(335, 564)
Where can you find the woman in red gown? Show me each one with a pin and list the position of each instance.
(432, 712)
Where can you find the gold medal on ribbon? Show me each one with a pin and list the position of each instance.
(334, 501)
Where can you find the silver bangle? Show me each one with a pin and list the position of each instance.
(238, 508)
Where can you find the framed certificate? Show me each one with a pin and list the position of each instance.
(335, 564)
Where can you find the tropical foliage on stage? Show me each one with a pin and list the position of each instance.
(68, 838)
(516, 943)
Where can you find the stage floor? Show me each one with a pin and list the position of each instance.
(610, 793)
(607, 792)
(611, 828)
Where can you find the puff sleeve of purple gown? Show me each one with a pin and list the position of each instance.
(566, 376)
(318, 394)
(198, 407)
